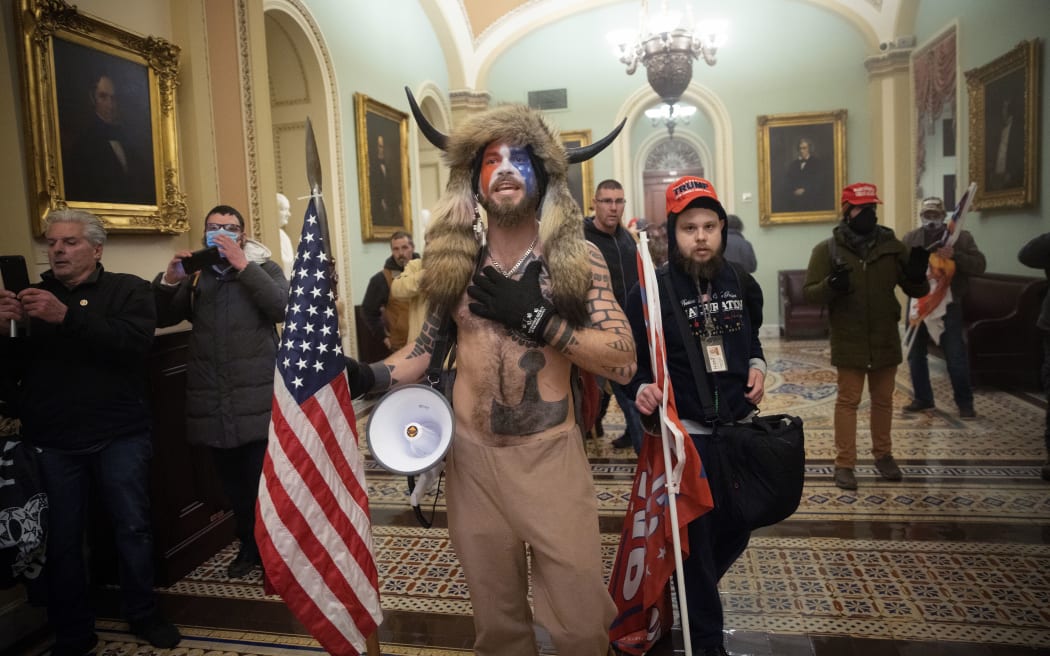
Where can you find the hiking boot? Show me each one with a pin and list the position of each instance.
(715, 651)
(1046, 470)
(622, 442)
(967, 413)
(845, 479)
(918, 406)
(157, 631)
(599, 431)
(243, 564)
(888, 468)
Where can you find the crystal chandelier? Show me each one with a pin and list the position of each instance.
(671, 116)
(666, 45)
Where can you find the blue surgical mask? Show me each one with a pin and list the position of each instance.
(209, 237)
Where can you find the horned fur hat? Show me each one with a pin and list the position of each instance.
(452, 249)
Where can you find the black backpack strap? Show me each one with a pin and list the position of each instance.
(696, 363)
(444, 348)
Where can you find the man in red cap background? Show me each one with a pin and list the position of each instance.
(723, 310)
(854, 273)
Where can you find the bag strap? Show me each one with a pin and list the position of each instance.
(696, 364)
(444, 348)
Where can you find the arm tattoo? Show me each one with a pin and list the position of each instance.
(384, 376)
(427, 336)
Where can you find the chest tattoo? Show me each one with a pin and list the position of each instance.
(533, 414)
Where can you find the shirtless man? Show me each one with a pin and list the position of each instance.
(534, 301)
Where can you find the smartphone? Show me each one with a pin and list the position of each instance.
(197, 260)
(14, 272)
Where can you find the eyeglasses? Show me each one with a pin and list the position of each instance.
(228, 227)
(611, 201)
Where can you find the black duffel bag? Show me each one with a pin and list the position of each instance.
(762, 467)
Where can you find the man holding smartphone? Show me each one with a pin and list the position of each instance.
(80, 379)
(233, 303)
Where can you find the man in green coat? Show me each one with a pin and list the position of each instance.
(854, 273)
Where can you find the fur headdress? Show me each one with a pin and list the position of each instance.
(452, 250)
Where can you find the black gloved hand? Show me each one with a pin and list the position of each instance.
(517, 304)
(360, 377)
(839, 278)
(915, 269)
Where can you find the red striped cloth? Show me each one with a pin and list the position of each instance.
(313, 525)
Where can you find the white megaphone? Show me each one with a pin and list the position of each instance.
(410, 429)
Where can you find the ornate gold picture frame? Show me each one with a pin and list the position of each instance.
(1004, 129)
(99, 120)
(382, 169)
(581, 175)
(801, 166)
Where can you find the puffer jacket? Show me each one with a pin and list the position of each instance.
(864, 320)
(233, 346)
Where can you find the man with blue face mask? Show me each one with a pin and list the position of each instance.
(233, 306)
(854, 273)
(965, 260)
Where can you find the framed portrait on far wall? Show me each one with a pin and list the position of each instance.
(1004, 129)
(801, 166)
(382, 169)
(100, 120)
(581, 175)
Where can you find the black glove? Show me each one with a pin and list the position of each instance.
(360, 377)
(915, 269)
(839, 278)
(517, 304)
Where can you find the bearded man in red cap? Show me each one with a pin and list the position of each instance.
(722, 308)
(854, 273)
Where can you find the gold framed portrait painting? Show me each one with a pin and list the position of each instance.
(801, 166)
(382, 169)
(580, 175)
(100, 120)
(1004, 129)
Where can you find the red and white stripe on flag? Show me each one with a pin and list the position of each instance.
(313, 525)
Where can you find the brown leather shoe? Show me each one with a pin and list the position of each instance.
(845, 479)
(888, 468)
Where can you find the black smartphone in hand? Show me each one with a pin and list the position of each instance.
(197, 260)
(14, 272)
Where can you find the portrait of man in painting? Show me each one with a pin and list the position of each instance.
(104, 125)
(384, 171)
(1004, 131)
(802, 168)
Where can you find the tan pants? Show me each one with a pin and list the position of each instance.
(880, 388)
(540, 493)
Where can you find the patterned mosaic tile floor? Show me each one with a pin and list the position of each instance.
(955, 558)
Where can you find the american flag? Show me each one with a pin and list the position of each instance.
(646, 559)
(313, 525)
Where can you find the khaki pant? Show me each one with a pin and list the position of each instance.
(880, 388)
(539, 493)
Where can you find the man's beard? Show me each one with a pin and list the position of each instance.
(508, 214)
(699, 270)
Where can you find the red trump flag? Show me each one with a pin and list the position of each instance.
(313, 525)
(645, 560)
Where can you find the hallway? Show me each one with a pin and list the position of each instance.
(954, 560)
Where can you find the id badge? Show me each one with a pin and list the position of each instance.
(714, 354)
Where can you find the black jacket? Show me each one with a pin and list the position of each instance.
(82, 383)
(621, 256)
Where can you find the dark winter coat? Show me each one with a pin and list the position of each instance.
(233, 348)
(865, 331)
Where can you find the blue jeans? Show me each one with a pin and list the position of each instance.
(631, 418)
(119, 474)
(954, 357)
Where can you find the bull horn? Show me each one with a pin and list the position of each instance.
(432, 134)
(584, 153)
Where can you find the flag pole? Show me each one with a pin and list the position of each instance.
(674, 475)
(313, 176)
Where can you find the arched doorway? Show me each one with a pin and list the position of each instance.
(665, 162)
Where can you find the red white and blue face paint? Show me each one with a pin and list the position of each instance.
(506, 168)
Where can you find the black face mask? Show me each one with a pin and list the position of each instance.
(864, 222)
